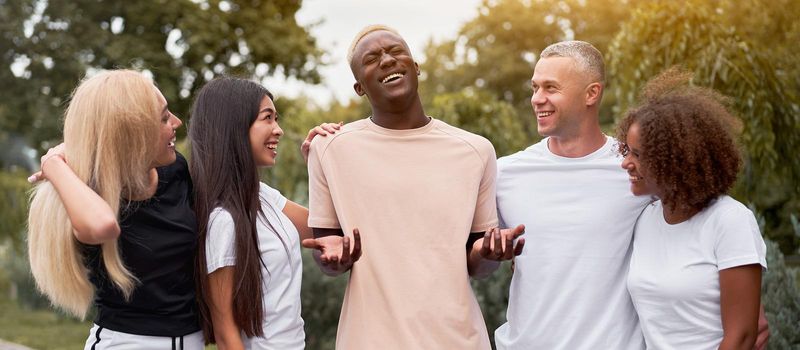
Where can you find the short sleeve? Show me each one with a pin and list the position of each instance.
(272, 196)
(321, 212)
(220, 250)
(486, 207)
(739, 240)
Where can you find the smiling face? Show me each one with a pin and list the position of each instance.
(559, 96)
(384, 69)
(265, 134)
(169, 123)
(641, 184)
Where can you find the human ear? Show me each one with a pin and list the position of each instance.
(594, 92)
(359, 90)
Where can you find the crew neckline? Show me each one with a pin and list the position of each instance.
(401, 132)
(595, 154)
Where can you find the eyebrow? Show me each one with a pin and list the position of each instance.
(165, 109)
(547, 81)
(267, 110)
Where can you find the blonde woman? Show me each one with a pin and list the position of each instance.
(112, 224)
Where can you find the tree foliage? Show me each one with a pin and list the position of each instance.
(706, 39)
(496, 51)
(182, 43)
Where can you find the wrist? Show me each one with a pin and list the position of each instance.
(51, 160)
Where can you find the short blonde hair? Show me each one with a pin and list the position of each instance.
(361, 34)
(585, 54)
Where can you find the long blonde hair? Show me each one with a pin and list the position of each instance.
(110, 135)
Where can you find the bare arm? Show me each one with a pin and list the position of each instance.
(226, 332)
(485, 254)
(298, 215)
(740, 295)
(331, 250)
(93, 221)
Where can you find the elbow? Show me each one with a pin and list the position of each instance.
(101, 230)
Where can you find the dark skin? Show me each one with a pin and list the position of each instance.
(387, 74)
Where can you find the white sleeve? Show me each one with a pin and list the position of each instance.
(220, 249)
(272, 196)
(739, 240)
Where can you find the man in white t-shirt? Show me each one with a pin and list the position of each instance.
(568, 289)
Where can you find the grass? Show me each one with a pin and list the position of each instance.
(41, 329)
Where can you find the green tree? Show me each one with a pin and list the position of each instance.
(703, 38)
(479, 113)
(182, 43)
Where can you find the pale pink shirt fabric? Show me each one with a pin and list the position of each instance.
(415, 195)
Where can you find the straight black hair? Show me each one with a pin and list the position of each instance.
(226, 176)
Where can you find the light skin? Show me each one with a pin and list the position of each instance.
(566, 104)
(386, 73)
(740, 287)
(92, 219)
(264, 136)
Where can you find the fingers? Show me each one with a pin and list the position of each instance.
(311, 243)
(35, 177)
(356, 245)
(508, 252)
(520, 245)
(330, 128)
(498, 242)
(345, 259)
(518, 231)
(485, 247)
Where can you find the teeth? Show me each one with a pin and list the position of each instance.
(272, 146)
(171, 144)
(393, 75)
(543, 114)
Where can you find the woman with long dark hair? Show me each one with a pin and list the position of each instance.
(249, 265)
(695, 270)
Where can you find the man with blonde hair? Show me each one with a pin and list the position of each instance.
(568, 289)
(419, 191)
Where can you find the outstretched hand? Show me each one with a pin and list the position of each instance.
(498, 245)
(334, 252)
(323, 130)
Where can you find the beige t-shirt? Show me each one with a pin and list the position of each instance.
(415, 195)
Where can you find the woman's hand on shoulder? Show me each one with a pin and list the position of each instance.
(323, 129)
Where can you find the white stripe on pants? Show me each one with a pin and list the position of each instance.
(103, 338)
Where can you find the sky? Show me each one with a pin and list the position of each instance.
(416, 20)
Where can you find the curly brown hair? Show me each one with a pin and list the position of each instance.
(687, 140)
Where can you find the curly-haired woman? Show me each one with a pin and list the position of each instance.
(695, 273)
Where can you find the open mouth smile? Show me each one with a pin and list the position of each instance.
(392, 77)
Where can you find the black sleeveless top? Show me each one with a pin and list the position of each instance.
(157, 242)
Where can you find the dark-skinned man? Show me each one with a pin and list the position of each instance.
(418, 190)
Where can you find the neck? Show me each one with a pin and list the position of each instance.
(411, 116)
(580, 145)
(676, 215)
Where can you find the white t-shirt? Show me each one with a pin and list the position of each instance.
(283, 326)
(568, 289)
(674, 274)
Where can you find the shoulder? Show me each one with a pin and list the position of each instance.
(321, 144)
(271, 196)
(725, 209)
(480, 144)
(533, 151)
(219, 218)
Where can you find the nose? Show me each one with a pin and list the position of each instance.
(176, 122)
(626, 163)
(277, 131)
(387, 60)
(538, 98)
